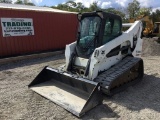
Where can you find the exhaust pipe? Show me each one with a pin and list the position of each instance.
(77, 95)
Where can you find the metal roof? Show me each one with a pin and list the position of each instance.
(34, 8)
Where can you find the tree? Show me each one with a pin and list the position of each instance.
(27, 2)
(68, 6)
(80, 7)
(133, 9)
(30, 3)
(71, 4)
(94, 6)
(117, 12)
(24, 2)
(19, 2)
(145, 11)
(6, 1)
(62, 7)
(156, 16)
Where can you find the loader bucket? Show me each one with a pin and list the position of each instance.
(76, 95)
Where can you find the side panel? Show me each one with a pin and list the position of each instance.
(101, 62)
(70, 48)
(138, 49)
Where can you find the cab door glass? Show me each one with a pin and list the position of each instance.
(112, 30)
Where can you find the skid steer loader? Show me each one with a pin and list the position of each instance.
(102, 60)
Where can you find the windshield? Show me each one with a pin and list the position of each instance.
(89, 27)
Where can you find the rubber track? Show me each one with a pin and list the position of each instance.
(107, 77)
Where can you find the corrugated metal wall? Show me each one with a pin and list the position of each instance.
(52, 31)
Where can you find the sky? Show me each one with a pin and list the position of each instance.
(102, 3)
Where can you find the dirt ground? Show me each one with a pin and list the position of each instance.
(138, 102)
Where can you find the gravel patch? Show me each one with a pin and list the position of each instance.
(17, 102)
(151, 47)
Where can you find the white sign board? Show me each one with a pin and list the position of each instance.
(17, 27)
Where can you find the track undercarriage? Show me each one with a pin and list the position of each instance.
(126, 73)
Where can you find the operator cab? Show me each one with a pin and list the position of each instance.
(95, 30)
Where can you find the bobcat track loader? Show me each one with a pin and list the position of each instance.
(102, 60)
